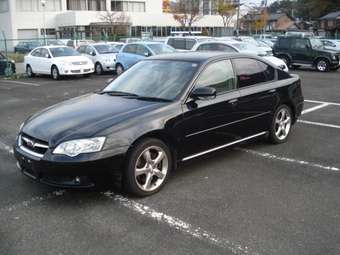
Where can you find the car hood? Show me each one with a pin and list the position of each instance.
(84, 116)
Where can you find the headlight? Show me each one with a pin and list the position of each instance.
(333, 57)
(75, 147)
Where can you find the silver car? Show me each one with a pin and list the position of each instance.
(103, 56)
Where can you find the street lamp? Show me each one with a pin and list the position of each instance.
(43, 4)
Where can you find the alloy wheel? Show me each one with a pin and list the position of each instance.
(283, 122)
(99, 69)
(151, 168)
(55, 74)
(29, 71)
(119, 70)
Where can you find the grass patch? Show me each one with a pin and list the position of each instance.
(17, 57)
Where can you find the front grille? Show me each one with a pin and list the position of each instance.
(32, 145)
(79, 63)
(75, 71)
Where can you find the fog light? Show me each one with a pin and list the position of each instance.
(77, 180)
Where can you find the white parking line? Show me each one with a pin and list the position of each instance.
(312, 109)
(22, 83)
(290, 160)
(321, 102)
(180, 225)
(27, 203)
(318, 124)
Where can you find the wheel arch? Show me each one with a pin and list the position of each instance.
(321, 57)
(160, 135)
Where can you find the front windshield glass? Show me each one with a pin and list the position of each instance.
(155, 78)
(105, 48)
(63, 52)
(160, 48)
(316, 43)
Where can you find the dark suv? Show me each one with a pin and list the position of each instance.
(301, 51)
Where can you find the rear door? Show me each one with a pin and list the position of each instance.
(209, 123)
(302, 51)
(34, 60)
(45, 61)
(258, 98)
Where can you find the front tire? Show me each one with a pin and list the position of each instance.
(281, 125)
(55, 73)
(148, 167)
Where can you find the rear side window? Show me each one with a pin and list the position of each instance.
(250, 72)
(284, 43)
(222, 80)
(131, 48)
(36, 53)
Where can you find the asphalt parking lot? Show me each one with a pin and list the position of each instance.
(255, 198)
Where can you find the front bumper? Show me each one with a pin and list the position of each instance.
(77, 70)
(66, 173)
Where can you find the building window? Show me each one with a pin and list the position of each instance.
(86, 5)
(127, 6)
(4, 6)
(49, 31)
(35, 5)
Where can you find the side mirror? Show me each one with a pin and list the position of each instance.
(93, 53)
(47, 56)
(146, 54)
(203, 93)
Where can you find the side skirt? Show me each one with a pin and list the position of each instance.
(223, 146)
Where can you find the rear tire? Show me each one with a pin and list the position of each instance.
(322, 65)
(148, 167)
(281, 125)
(29, 71)
(99, 69)
(55, 73)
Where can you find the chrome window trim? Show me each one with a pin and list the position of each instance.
(223, 146)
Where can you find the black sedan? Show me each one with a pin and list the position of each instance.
(162, 111)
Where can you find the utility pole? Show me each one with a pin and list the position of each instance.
(43, 4)
(238, 4)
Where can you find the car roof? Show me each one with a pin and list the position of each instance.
(53, 46)
(197, 57)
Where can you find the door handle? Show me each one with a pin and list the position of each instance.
(272, 91)
(233, 101)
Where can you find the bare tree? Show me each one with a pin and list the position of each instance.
(186, 12)
(226, 10)
(117, 21)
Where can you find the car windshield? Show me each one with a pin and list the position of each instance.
(161, 79)
(105, 48)
(160, 48)
(316, 43)
(63, 52)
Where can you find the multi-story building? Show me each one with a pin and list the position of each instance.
(25, 19)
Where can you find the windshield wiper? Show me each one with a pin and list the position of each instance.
(134, 96)
(117, 93)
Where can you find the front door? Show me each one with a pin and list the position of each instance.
(209, 123)
(302, 51)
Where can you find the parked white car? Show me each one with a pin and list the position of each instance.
(57, 61)
(241, 47)
(331, 44)
(103, 56)
(251, 40)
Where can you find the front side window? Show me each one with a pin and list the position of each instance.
(105, 49)
(155, 78)
(250, 72)
(218, 75)
(161, 48)
(131, 48)
(300, 44)
(143, 51)
(44, 53)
